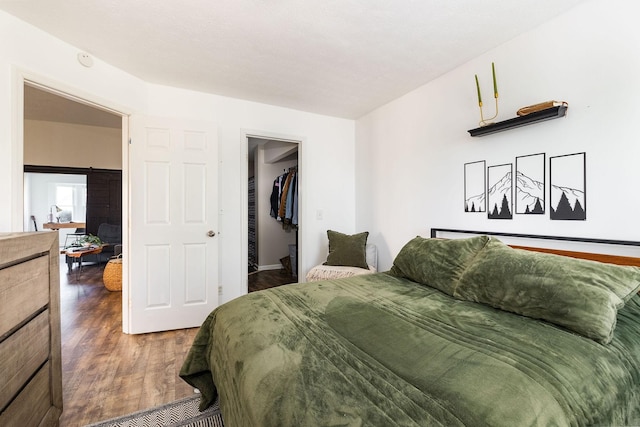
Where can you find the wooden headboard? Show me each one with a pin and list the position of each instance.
(602, 257)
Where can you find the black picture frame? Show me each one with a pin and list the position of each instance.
(500, 191)
(568, 187)
(530, 184)
(475, 186)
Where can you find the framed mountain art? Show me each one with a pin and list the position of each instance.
(530, 184)
(567, 195)
(475, 184)
(500, 191)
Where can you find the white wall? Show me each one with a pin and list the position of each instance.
(273, 240)
(72, 145)
(322, 137)
(411, 152)
(28, 51)
(40, 196)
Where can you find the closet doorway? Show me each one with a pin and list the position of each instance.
(272, 226)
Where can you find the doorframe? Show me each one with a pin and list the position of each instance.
(22, 77)
(244, 185)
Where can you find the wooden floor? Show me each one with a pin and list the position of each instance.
(106, 373)
(268, 279)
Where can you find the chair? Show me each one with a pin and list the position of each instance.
(329, 272)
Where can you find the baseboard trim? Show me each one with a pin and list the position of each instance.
(269, 267)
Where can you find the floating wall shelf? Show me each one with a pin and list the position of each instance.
(538, 116)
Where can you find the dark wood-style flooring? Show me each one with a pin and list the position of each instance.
(107, 373)
(269, 279)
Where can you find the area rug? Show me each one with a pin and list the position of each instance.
(181, 413)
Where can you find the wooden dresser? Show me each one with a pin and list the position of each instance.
(30, 362)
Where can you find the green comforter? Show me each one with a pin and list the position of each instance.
(378, 350)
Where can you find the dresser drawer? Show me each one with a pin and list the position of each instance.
(32, 404)
(24, 289)
(30, 359)
(22, 354)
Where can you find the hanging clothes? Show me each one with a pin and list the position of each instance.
(294, 205)
(288, 212)
(275, 196)
(284, 199)
(284, 195)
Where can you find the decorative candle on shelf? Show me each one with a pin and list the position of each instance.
(483, 120)
(495, 85)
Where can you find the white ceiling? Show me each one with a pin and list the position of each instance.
(341, 58)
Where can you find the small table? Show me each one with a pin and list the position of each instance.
(78, 253)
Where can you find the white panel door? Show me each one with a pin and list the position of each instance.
(173, 259)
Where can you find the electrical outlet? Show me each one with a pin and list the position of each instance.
(220, 290)
(319, 215)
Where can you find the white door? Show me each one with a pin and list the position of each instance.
(173, 257)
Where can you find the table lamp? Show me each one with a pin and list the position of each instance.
(51, 215)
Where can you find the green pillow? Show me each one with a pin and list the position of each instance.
(346, 250)
(436, 262)
(580, 295)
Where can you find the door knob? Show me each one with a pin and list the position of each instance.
(211, 233)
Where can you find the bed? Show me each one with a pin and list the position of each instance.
(460, 332)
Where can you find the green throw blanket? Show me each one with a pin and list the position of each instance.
(379, 350)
